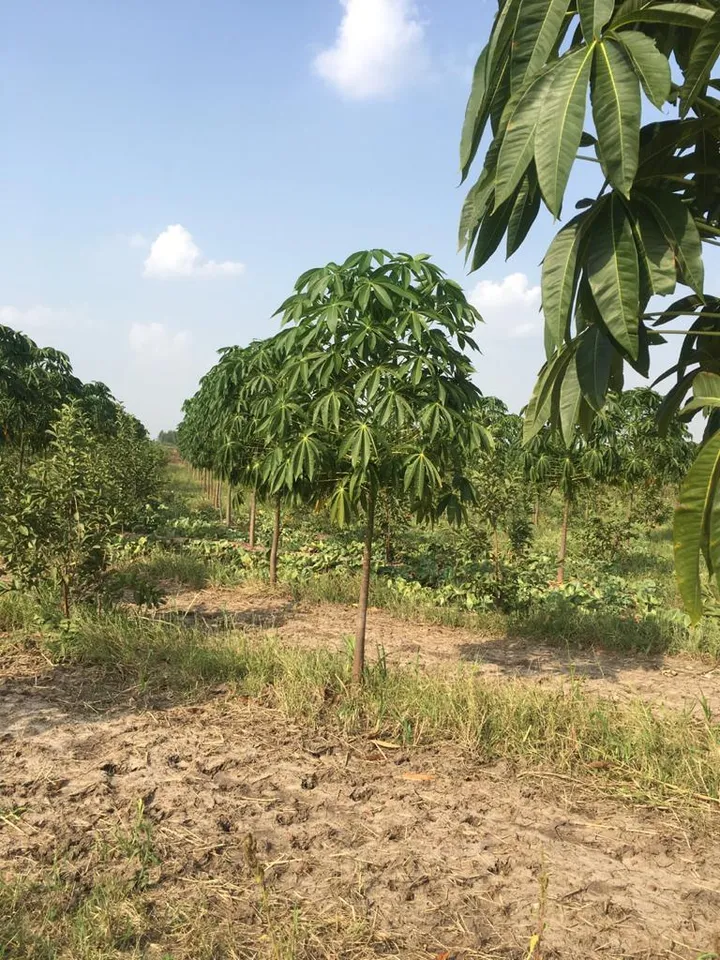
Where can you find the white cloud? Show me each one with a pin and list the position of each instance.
(379, 48)
(35, 318)
(510, 307)
(150, 341)
(174, 253)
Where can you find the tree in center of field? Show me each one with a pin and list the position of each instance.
(374, 352)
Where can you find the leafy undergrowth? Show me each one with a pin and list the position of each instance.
(634, 750)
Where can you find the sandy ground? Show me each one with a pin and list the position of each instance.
(676, 682)
(439, 853)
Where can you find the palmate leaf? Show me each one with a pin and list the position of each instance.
(560, 126)
(615, 97)
(651, 66)
(695, 523)
(613, 273)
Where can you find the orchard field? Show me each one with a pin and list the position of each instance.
(356, 662)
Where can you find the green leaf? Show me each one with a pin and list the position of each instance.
(516, 150)
(593, 358)
(560, 272)
(538, 26)
(570, 397)
(676, 222)
(558, 134)
(692, 523)
(490, 234)
(594, 14)
(703, 58)
(679, 14)
(613, 273)
(651, 66)
(655, 251)
(473, 113)
(706, 392)
(474, 207)
(615, 97)
(523, 214)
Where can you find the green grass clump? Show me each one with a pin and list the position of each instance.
(641, 750)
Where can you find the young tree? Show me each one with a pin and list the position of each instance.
(639, 236)
(375, 344)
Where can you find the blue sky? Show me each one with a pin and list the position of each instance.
(170, 169)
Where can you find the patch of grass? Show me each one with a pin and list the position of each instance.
(637, 750)
(174, 566)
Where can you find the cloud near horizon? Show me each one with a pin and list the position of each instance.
(36, 317)
(510, 307)
(174, 253)
(379, 49)
(149, 341)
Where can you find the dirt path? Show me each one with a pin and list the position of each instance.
(433, 852)
(677, 682)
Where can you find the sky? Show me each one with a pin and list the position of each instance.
(170, 168)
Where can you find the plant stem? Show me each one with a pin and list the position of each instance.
(228, 506)
(275, 543)
(562, 553)
(359, 653)
(253, 512)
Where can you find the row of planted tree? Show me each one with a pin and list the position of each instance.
(365, 398)
(75, 470)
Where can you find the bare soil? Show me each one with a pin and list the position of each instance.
(678, 682)
(436, 854)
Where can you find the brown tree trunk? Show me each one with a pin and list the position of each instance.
(228, 505)
(253, 514)
(536, 512)
(563, 542)
(275, 543)
(359, 654)
(218, 493)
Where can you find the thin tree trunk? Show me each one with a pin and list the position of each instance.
(388, 533)
(66, 600)
(218, 493)
(275, 543)
(359, 654)
(228, 506)
(563, 542)
(536, 512)
(253, 514)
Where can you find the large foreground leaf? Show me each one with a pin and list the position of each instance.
(559, 280)
(593, 359)
(537, 29)
(650, 64)
(692, 528)
(518, 143)
(703, 58)
(613, 273)
(560, 127)
(679, 230)
(594, 14)
(615, 95)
